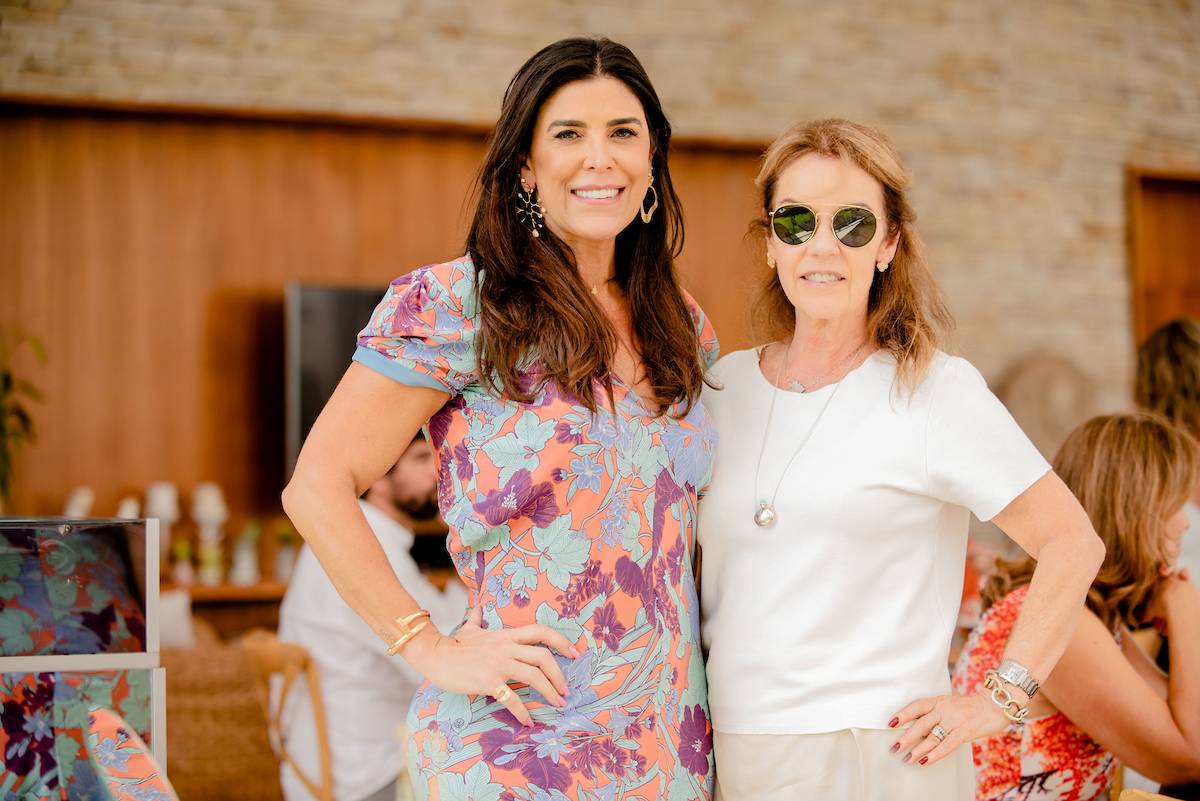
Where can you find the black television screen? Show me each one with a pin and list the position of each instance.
(322, 325)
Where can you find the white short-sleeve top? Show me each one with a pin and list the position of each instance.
(842, 613)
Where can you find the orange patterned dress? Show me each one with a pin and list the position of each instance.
(582, 522)
(1046, 759)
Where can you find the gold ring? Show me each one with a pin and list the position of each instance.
(939, 732)
(502, 693)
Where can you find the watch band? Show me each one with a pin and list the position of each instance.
(1016, 674)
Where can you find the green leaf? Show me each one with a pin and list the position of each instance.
(564, 552)
(454, 712)
(535, 431)
(567, 627)
(683, 788)
(519, 450)
(631, 536)
(452, 787)
(27, 389)
(11, 560)
(509, 454)
(16, 632)
(477, 785)
(39, 350)
(523, 575)
(478, 537)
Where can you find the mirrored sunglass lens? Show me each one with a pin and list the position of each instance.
(794, 224)
(854, 227)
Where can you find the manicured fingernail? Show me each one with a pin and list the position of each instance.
(907, 758)
(574, 652)
(893, 723)
(923, 760)
(561, 703)
(895, 747)
(529, 723)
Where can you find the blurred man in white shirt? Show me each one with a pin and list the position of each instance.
(366, 693)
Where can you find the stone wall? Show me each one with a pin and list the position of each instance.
(1018, 117)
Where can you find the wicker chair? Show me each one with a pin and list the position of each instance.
(271, 657)
(217, 744)
(1142, 795)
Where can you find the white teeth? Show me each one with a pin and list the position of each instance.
(821, 278)
(596, 194)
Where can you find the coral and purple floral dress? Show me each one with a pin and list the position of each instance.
(1048, 758)
(584, 523)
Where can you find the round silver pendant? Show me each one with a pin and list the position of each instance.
(764, 517)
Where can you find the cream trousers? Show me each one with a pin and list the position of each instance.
(847, 765)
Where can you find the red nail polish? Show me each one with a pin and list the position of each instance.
(908, 757)
(895, 747)
(923, 760)
(893, 723)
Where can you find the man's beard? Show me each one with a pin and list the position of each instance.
(419, 508)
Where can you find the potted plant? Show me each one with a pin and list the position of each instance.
(16, 422)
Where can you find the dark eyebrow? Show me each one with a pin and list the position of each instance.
(581, 124)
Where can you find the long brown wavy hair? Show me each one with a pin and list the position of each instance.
(532, 301)
(1130, 472)
(906, 312)
(1168, 373)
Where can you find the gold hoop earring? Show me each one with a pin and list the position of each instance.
(530, 211)
(647, 215)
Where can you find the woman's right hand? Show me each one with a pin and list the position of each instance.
(478, 661)
(1158, 610)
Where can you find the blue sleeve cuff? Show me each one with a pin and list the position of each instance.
(394, 370)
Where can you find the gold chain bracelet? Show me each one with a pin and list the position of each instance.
(1002, 698)
(407, 631)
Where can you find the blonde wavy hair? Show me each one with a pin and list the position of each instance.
(1168, 373)
(906, 312)
(1130, 472)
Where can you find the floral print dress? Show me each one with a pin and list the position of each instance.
(581, 522)
(1046, 759)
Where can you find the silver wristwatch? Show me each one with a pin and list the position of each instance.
(1017, 675)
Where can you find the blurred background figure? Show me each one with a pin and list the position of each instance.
(1106, 698)
(366, 692)
(1168, 382)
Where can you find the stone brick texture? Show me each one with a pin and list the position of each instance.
(1017, 117)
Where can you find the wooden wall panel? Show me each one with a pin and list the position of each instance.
(150, 253)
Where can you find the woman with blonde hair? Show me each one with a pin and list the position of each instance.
(1168, 382)
(852, 451)
(1106, 698)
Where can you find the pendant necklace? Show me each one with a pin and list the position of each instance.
(765, 515)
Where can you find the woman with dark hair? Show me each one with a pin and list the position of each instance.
(835, 530)
(558, 366)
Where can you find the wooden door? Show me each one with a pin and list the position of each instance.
(1164, 226)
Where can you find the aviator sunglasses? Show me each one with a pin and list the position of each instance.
(794, 224)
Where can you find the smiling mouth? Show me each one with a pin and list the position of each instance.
(822, 278)
(597, 194)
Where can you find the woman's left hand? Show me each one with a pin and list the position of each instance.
(963, 718)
